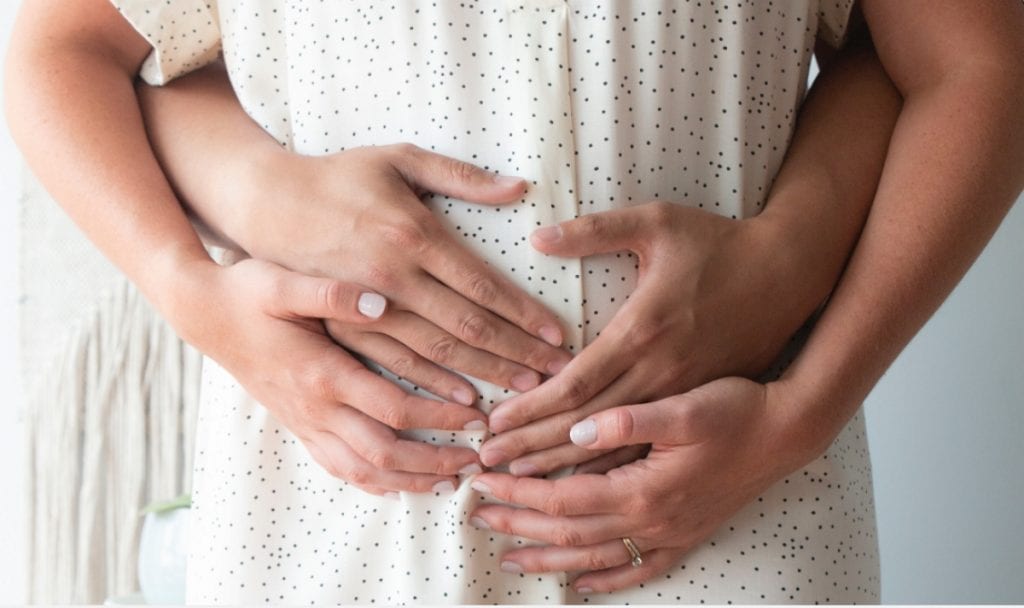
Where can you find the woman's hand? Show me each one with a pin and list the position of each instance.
(714, 450)
(357, 216)
(709, 302)
(343, 413)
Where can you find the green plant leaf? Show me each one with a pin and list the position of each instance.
(181, 502)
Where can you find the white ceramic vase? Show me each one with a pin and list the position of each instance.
(162, 554)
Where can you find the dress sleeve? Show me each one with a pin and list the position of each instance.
(184, 34)
(833, 19)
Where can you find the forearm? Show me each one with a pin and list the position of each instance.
(212, 152)
(72, 109)
(955, 166)
(823, 192)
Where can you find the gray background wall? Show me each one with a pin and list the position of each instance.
(946, 426)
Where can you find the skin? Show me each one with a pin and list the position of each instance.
(954, 167)
(892, 293)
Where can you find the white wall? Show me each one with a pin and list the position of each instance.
(12, 444)
(946, 427)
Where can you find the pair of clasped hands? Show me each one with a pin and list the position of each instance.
(668, 437)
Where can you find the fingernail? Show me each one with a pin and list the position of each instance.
(463, 396)
(471, 469)
(584, 433)
(475, 425)
(492, 457)
(507, 180)
(511, 567)
(371, 304)
(523, 469)
(584, 590)
(548, 234)
(525, 381)
(556, 366)
(443, 487)
(550, 334)
(481, 487)
(391, 495)
(479, 523)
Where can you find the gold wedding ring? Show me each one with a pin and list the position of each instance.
(634, 553)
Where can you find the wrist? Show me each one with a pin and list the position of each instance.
(808, 419)
(183, 285)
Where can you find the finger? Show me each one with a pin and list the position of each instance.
(554, 558)
(404, 362)
(485, 330)
(452, 177)
(551, 459)
(613, 460)
(678, 420)
(341, 461)
(384, 401)
(381, 448)
(318, 297)
(561, 531)
(573, 495)
(656, 562)
(452, 264)
(441, 347)
(553, 430)
(590, 372)
(605, 232)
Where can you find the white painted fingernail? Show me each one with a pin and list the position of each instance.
(475, 425)
(551, 335)
(511, 567)
(443, 487)
(371, 304)
(548, 234)
(584, 590)
(463, 396)
(481, 487)
(584, 433)
(525, 381)
(392, 496)
(479, 523)
(471, 469)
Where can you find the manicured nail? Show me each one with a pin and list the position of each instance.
(479, 523)
(511, 567)
(481, 487)
(371, 304)
(550, 334)
(507, 180)
(584, 590)
(525, 381)
(584, 433)
(475, 425)
(471, 469)
(523, 469)
(392, 495)
(463, 396)
(556, 366)
(548, 234)
(443, 487)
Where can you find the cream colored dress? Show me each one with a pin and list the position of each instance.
(602, 104)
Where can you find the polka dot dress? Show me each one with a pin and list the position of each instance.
(601, 104)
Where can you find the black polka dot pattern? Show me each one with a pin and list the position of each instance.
(601, 105)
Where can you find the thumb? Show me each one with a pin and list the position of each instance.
(451, 177)
(673, 421)
(605, 232)
(322, 298)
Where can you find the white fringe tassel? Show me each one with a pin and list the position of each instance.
(111, 429)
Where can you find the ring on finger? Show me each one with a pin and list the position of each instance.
(636, 559)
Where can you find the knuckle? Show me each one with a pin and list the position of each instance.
(594, 561)
(331, 295)
(590, 226)
(404, 149)
(402, 366)
(394, 416)
(358, 475)
(661, 212)
(574, 390)
(380, 277)
(482, 289)
(565, 536)
(408, 235)
(624, 423)
(475, 329)
(642, 333)
(442, 350)
(459, 171)
(382, 458)
(555, 505)
(318, 384)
